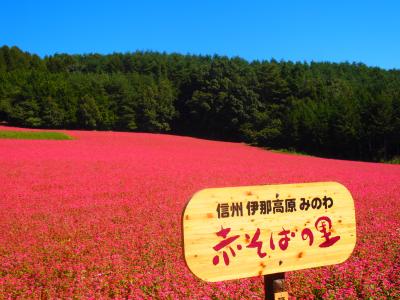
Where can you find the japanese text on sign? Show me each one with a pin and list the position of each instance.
(265, 207)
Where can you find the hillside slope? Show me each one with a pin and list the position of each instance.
(100, 216)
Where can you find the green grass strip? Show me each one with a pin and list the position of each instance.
(33, 135)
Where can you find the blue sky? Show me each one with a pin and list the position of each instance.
(336, 31)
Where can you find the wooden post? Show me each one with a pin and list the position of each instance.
(274, 287)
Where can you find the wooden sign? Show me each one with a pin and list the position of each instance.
(239, 232)
(281, 296)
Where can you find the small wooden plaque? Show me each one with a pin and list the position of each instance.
(281, 296)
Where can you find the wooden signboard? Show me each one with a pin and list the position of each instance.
(239, 232)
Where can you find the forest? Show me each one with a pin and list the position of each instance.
(338, 110)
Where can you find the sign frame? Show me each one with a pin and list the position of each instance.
(341, 214)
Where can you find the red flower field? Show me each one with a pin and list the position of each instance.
(100, 216)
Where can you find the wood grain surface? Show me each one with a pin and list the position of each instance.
(237, 232)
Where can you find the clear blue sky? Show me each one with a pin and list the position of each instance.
(361, 31)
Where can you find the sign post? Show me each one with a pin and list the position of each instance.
(274, 287)
(239, 232)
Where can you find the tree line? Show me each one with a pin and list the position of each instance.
(343, 110)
